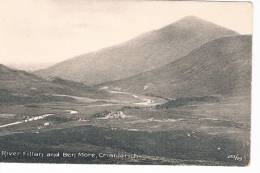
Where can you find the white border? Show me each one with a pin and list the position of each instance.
(254, 165)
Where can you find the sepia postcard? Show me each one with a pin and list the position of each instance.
(125, 82)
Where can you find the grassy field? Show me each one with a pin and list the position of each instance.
(204, 133)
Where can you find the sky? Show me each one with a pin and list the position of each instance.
(50, 31)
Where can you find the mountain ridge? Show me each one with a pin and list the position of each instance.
(18, 86)
(143, 53)
(221, 66)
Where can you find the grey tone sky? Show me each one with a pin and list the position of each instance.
(50, 31)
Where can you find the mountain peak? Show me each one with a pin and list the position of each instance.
(192, 26)
(144, 53)
(191, 18)
(4, 68)
(194, 22)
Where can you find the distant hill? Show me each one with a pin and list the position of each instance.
(146, 52)
(20, 86)
(219, 67)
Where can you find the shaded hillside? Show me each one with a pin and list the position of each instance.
(21, 86)
(219, 67)
(146, 52)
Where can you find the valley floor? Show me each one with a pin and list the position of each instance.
(135, 131)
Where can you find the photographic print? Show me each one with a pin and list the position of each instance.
(125, 82)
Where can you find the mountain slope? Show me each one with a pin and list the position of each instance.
(146, 52)
(219, 67)
(21, 86)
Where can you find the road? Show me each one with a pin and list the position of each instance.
(36, 118)
(144, 101)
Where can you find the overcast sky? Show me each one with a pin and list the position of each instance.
(38, 31)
